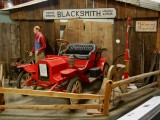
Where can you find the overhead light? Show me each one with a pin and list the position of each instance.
(156, 1)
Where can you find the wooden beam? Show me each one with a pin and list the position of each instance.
(133, 92)
(134, 78)
(50, 94)
(52, 107)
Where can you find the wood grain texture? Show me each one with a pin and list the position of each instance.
(124, 10)
(14, 14)
(50, 94)
(108, 91)
(134, 78)
(51, 107)
(21, 14)
(135, 91)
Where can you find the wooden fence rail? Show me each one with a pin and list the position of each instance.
(53, 107)
(106, 96)
(134, 78)
(129, 93)
(50, 94)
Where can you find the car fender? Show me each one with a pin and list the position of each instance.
(28, 67)
(23, 65)
(102, 62)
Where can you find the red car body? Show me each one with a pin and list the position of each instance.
(55, 72)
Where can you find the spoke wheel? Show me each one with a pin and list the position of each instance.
(74, 86)
(23, 76)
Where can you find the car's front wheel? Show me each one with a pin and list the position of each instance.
(23, 77)
(74, 86)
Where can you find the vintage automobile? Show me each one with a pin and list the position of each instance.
(67, 72)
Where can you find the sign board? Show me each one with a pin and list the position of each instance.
(146, 26)
(80, 13)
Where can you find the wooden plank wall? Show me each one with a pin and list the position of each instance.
(9, 42)
(74, 31)
(100, 33)
(136, 42)
(124, 10)
(27, 36)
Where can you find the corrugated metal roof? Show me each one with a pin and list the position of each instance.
(149, 4)
(25, 4)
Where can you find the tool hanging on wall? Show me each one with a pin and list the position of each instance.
(127, 54)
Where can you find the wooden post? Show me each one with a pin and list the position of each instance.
(158, 35)
(108, 91)
(158, 47)
(158, 80)
(2, 102)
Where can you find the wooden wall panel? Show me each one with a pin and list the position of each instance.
(81, 4)
(124, 10)
(30, 13)
(81, 31)
(138, 42)
(9, 43)
(6, 44)
(89, 3)
(95, 35)
(14, 14)
(27, 36)
(74, 32)
(38, 13)
(107, 41)
(72, 4)
(100, 33)
(21, 14)
(14, 41)
(56, 4)
(88, 32)
(100, 3)
(63, 4)
(24, 38)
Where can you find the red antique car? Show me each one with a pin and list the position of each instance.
(78, 64)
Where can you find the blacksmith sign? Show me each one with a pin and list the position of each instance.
(80, 13)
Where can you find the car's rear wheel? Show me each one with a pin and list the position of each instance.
(74, 86)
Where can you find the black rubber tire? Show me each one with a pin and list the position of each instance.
(71, 85)
(19, 81)
(19, 78)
